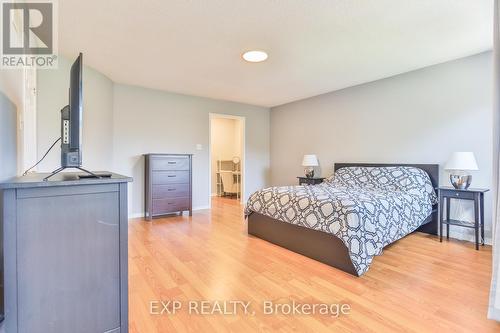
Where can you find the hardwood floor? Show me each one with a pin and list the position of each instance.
(416, 285)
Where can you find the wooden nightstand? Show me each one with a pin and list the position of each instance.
(310, 181)
(475, 194)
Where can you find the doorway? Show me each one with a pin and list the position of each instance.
(227, 155)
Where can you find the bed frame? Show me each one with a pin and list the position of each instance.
(322, 246)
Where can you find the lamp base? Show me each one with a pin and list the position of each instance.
(309, 172)
(461, 182)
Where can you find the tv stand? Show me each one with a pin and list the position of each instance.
(65, 254)
(55, 172)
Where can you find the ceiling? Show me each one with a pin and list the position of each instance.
(194, 46)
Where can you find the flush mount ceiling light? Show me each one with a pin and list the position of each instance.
(255, 56)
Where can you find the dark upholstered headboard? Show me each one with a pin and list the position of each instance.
(431, 169)
(430, 226)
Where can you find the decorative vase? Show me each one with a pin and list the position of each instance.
(461, 182)
(309, 172)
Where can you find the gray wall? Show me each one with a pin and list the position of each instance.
(8, 138)
(151, 121)
(52, 86)
(11, 101)
(417, 117)
(121, 123)
(421, 116)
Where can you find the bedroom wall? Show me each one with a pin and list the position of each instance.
(8, 142)
(52, 86)
(417, 117)
(11, 100)
(121, 123)
(147, 121)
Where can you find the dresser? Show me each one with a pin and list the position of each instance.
(168, 182)
(65, 244)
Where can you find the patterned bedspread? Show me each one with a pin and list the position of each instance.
(366, 207)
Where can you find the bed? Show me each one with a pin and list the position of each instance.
(347, 220)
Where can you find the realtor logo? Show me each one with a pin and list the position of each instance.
(28, 34)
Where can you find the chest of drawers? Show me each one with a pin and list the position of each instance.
(168, 181)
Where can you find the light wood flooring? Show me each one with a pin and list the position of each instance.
(416, 285)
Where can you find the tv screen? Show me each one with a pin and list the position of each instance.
(71, 119)
(75, 104)
(71, 125)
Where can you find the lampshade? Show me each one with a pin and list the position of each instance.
(310, 161)
(461, 161)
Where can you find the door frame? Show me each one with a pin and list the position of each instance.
(242, 119)
(28, 122)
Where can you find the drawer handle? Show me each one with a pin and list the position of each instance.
(170, 203)
(171, 189)
(171, 176)
(172, 162)
(457, 194)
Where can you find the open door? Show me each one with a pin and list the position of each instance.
(227, 150)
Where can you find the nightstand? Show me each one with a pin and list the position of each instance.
(474, 194)
(310, 181)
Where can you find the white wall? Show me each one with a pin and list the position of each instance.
(11, 104)
(8, 140)
(52, 86)
(152, 121)
(121, 123)
(417, 117)
(225, 144)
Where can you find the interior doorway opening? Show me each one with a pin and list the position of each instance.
(227, 151)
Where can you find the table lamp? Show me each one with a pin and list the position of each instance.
(459, 165)
(309, 161)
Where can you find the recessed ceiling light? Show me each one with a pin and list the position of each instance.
(255, 56)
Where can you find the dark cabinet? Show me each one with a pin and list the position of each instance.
(474, 194)
(168, 184)
(310, 181)
(65, 255)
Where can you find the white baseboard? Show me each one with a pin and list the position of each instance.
(202, 207)
(467, 235)
(135, 215)
(139, 215)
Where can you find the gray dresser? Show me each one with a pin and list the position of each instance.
(65, 254)
(168, 184)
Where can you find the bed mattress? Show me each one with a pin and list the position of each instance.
(366, 207)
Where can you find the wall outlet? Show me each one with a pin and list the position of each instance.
(199, 146)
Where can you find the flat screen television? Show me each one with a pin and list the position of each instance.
(71, 124)
(71, 119)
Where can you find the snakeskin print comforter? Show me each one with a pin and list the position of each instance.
(366, 207)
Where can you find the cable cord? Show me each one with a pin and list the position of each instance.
(45, 155)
